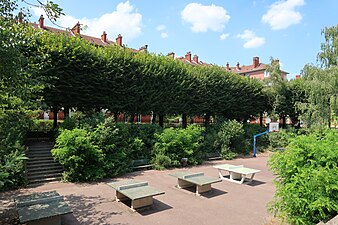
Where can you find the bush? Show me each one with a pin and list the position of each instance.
(13, 127)
(307, 179)
(80, 158)
(176, 143)
(115, 142)
(282, 138)
(81, 120)
(144, 133)
(231, 137)
(249, 131)
(229, 131)
(41, 125)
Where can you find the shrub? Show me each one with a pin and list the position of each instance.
(161, 162)
(249, 131)
(81, 120)
(145, 133)
(228, 133)
(13, 126)
(115, 142)
(282, 138)
(307, 179)
(120, 143)
(69, 123)
(80, 158)
(41, 125)
(176, 143)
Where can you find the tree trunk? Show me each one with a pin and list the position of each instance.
(131, 118)
(261, 119)
(161, 120)
(184, 120)
(66, 111)
(283, 118)
(55, 121)
(116, 116)
(206, 121)
(329, 119)
(153, 119)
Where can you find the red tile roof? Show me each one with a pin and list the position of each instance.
(94, 40)
(246, 69)
(249, 69)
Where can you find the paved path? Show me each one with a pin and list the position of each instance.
(228, 203)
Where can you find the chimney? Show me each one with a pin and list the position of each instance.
(228, 67)
(41, 20)
(195, 59)
(104, 37)
(237, 66)
(119, 40)
(171, 55)
(255, 62)
(275, 62)
(143, 49)
(188, 56)
(20, 17)
(76, 29)
(297, 77)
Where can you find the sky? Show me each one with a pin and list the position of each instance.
(218, 31)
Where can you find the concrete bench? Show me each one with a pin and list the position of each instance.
(190, 179)
(139, 192)
(141, 164)
(41, 208)
(237, 173)
(212, 156)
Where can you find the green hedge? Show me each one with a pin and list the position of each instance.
(307, 178)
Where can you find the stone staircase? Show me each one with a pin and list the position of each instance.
(41, 167)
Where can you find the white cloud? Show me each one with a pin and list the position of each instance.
(205, 17)
(163, 30)
(222, 37)
(283, 14)
(164, 35)
(252, 40)
(125, 20)
(160, 27)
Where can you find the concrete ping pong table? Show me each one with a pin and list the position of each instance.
(237, 174)
(41, 208)
(190, 179)
(140, 194)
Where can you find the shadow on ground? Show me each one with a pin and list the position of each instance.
(157, 206)
(86, 209)
(8, 213)
(210, 194)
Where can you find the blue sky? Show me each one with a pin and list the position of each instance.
(218, 31)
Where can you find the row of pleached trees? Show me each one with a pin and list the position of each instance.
(77, 74)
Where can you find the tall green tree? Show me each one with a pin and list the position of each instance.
(322, 83)
(329, 48)
(19, 91)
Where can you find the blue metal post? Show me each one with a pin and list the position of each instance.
(254, 141)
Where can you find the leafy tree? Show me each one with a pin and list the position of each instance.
(19, 91)
(321, 88)
(329, 49)
(321, 83)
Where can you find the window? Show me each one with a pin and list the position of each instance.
(266, 74)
